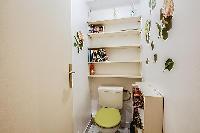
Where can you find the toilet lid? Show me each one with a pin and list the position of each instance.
(108, 117)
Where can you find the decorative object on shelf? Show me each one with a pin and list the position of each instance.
(169, 64)
(152, 5)
(147, 61)
(147, 30)
(98, 55)
(79, 40)
(166, 15)
(155, 57)
(137, 119)
(96, 28)
(152, 45)
(92, 69)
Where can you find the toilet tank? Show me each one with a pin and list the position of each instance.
(111, 96)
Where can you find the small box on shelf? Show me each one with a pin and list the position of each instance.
(97, 55)
(96, 28)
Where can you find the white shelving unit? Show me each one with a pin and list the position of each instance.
(130, 53)
(114, 21)
(109, 62)
(114, 46)
(115, 76)
(115, 33)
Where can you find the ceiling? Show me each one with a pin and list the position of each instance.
(102, 4)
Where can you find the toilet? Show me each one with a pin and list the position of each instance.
(108, 117)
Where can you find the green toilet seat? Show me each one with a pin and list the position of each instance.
(108, 117)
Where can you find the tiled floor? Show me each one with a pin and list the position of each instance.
(94, 129)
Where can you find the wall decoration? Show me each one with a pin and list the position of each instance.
(166, 15)
(98, 55)
(133, 10)
(152, 5)
(79, 40)
(96, 28)
(147, 61)
(152, 45)
(168, 8)
(114, 13)
(155, 57)
(169, 64)
(147, 30)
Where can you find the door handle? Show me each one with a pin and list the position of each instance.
(70, 76)
(71, 72)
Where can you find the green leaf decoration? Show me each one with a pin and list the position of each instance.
(159, 29)
(164, 33)
(155, 56)
(147, 30)
(161, 14)
(75, 44)
(147, 61)
(148, 38)
(165, 26)
(169, 64)
(152, 45)
(167, 22)
(152, 4)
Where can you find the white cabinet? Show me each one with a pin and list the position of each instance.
(152, 114)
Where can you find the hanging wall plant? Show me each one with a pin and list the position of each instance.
(166, 15)
(79, 40)
(155, 57)
(147, 30)
(152, 45)
(152, 5)
(169, 64)
(147, 61)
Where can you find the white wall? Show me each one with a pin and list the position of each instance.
(81, 92)
(180, 86)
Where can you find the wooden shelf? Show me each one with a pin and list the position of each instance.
(123, 32)
(114, 46)
(119, 20)
(110, 62)
(115, 76)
